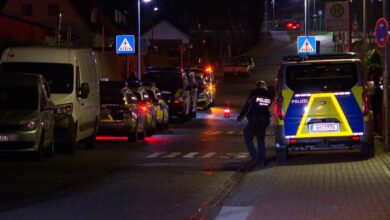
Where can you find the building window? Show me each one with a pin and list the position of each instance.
(27, 10)
(52, 10)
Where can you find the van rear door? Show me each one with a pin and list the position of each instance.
(326, 99)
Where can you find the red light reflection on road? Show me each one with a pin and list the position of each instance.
(111, 138)
(155, 139)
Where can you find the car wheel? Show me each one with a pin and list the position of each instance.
(90, 141)
(367, 150)
(281, 154)
(133, 136)
(50, 150)
(70, 144)
(160, 126)
(183, 118)
(39, 154)
(149, 131)
(142, 135)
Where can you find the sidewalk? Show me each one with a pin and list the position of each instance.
(315, 186)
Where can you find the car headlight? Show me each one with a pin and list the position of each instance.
(29, 125)
(64, 109)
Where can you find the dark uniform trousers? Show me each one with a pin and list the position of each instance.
(256, 129)
(257, 113)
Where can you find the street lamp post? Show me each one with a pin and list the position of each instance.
(139, 38)
(305, 17)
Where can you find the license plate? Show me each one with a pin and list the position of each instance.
(3, 138)
(324, 127)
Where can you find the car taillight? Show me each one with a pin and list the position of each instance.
(278, 107)
(365, 103)
(178, 100)
(355, 138)
(144, 108)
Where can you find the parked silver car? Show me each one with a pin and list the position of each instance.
(26, 115)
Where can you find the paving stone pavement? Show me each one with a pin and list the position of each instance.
(315, 186)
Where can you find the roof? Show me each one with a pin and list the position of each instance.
(332, 56)
(165, 30)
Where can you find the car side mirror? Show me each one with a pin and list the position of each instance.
(84, 90)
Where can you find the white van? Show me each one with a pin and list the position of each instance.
(73, 79)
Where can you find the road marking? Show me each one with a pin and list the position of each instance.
(242, 155)
(190, 155)
(156, 154)
(208, 155)
(230, 132)
(172, 155)
(215, 132)
(196, 155)
(232, 213)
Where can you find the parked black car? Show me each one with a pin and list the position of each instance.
(175, 89)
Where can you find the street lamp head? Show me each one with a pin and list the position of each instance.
(155, 9)
(146, 1)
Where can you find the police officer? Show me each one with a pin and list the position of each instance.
(257, 113)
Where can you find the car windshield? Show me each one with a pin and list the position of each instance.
(59, 76)
(166, 80)
(200, 73)
(111, 95)
(200, 82)
(18, 97)
(151, 94)
(321, 77)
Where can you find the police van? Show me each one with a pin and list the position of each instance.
(320, 104)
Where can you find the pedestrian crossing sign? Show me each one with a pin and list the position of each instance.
(307, 45)
(125, 44)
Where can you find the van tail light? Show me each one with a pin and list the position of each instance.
(293, 141)
(365, 103)
(278, 107)
(355, 138)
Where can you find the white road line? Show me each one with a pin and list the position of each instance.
(234, 213)
(172, 155)
(190, 155)
(215, 132)
(230, 132)
(156, 154)
(208, 155)
(242, 155)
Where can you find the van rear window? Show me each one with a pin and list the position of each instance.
(321, 77)
(165, 80)
(59, 76)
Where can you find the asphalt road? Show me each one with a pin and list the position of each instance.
(172, 175)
